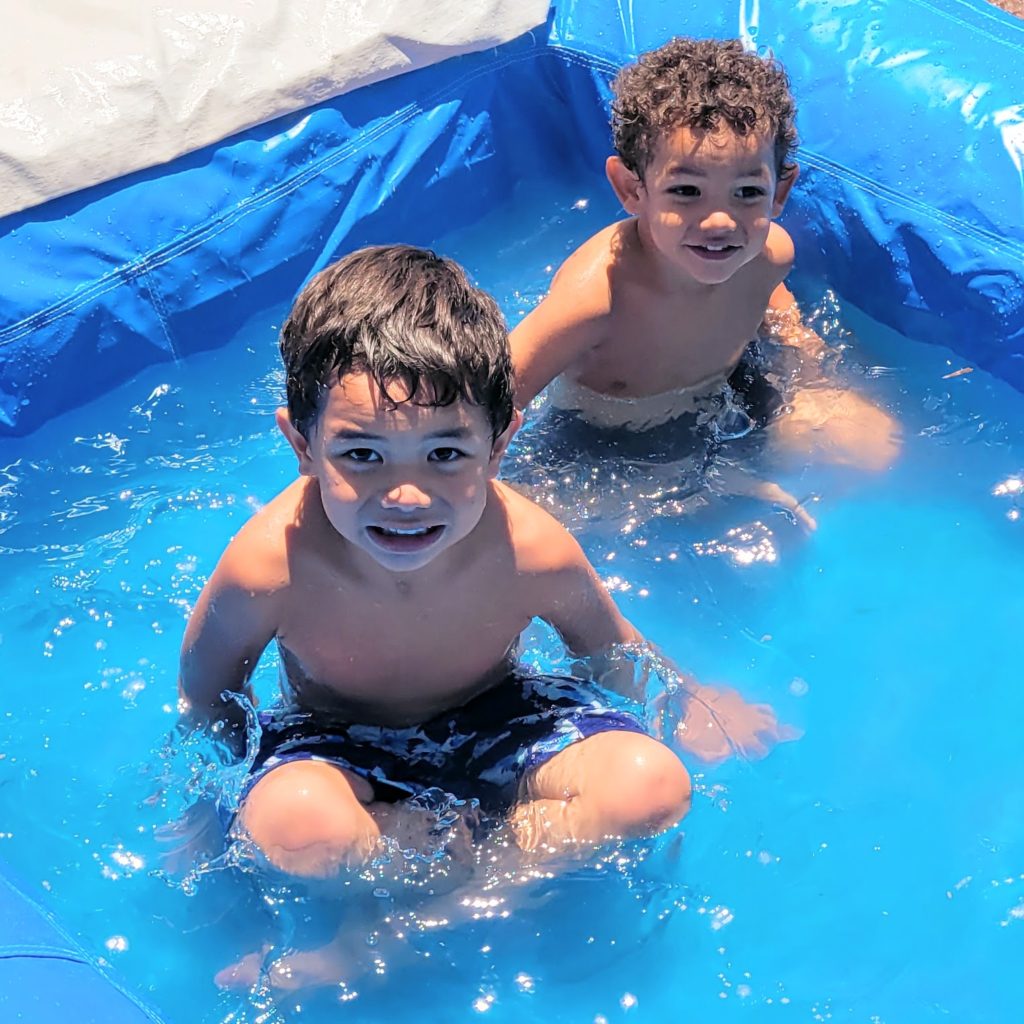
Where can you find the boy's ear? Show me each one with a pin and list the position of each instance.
(782, 190)
(626, 185)
(298, 443)
(501, 442)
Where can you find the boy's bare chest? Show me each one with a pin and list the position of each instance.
(399, 654)
(652, 347)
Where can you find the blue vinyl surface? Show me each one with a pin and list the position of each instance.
(910, 204)
(45, 976)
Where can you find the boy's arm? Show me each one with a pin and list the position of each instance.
(784, 321)
(709, 722)
(560, 330)
(782, 317)
(584, 614)
(836, 425)
(233, 621)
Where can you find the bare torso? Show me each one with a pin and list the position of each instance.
(390, 648)
(656, 340)
(618, 325)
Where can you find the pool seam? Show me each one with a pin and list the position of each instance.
(143, 266)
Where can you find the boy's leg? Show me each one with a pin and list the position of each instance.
(836, 426)
(613, 784)
(344, 959)
(310, 819)
(616, 784)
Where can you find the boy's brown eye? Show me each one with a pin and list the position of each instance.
(361, 455)
(446, 455)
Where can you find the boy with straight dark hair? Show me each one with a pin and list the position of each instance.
(396, 575)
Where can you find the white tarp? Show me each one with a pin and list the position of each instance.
(92, 89)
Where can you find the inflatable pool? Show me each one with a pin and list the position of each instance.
(909, 204)
(154, 198)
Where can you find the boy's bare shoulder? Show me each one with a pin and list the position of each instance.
(585, 274)
(540, 544)
(571, 320)
(257, 557)
(779, 252)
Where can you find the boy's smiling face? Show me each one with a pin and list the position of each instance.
(402, 483)
(706, 201)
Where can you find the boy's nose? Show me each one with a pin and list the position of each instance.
(718, 220)
(406, 495)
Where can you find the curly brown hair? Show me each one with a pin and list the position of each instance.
(703, 85)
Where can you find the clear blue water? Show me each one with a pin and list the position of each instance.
(871, 871)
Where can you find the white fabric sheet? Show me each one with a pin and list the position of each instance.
(92, 89)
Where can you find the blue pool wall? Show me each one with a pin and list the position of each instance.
(910, 202)
(47, 978)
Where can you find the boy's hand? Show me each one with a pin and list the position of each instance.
(729, 479)
(231, 722)
(716, 724)
(197, 835)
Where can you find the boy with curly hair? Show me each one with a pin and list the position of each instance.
(652, 319)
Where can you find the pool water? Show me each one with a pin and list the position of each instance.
(872, 870)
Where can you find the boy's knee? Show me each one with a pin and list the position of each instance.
(307, 821)
(839, 427)
(647, 789)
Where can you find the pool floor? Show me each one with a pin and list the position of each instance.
(872, 870)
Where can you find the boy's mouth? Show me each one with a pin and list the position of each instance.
(404, 539)
(714, 250)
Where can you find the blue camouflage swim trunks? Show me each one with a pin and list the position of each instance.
(480, 750)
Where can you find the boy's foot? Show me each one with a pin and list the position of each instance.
(339, 962)
(350, 956)
(730, 479)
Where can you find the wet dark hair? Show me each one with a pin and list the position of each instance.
(411, 320)
(703, 85)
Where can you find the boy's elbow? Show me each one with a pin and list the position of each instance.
(523, 397)
(196, 707)
(534, 388)
(527, 382)
(632, 635)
